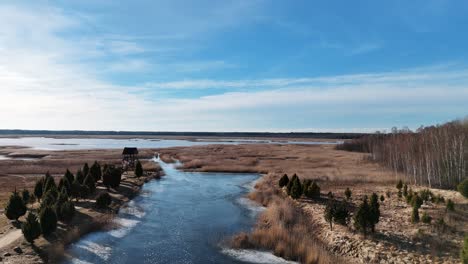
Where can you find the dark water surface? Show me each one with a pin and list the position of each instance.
(182, 218)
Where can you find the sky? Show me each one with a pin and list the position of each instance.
(253, 65)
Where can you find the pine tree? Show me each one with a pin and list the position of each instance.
(405, 190)
(85, 170)
(69, 176)
(15, 207)
(49, 183)
(313, 191)
(103, 200)
(329, 211)
(48, 221)
(112, 176)
(31, 228)
(361, 218)
(416, 201)
(296, 189)
(283, 181)
(374, 212)
(399, 186)
(66, 211)
(305, 185)
(95, 171)
(64, 184)
(138, 169)
(76, 190)
(348, 193)
(26, 196)
(89, 181)
(38, 188)
(290, 184)
(80, 176)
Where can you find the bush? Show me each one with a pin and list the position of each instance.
(463, 188)
(382, 198)
(374, 211)
(439, 199)
(313, 191)
(347, 193)
(426, 195)
(341, 213)
(415, 215)
(362, 221)
(405, 190)
(290, 184)
(450, 205)
(138, 169)
(103, 200)
(15, 207)
(112, 176)
(296, 189)
(38, 188)
(48, 221)
(464, 251)
(31, 228)
(283, 181)
(399, 185)
(95, 171)
(66, 211)
(416, 201)
(426, 218)
(26, 196)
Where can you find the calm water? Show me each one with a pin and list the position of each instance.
(46, 143)
(182, 218)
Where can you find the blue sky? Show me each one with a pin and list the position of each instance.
(232, 65)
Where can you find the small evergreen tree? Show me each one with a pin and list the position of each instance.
(84, 191)
(89, 181)
(15, 207)
(103, 200)
(399, 186)
(76, 190)
(26, 196)
(80, 176)
(64, 184)
(341, 213)
(66, 211)
(38, 188)
(305, 185)
(49, 183)
(415, 215)
(416, 201)
(362, 221)
(69, 176)
(138, 169)
(112, 176)
(31, 228)
(348, 193)
(290, 184)
(330, 195)
(48, 221)
(405, 190)
(463, 188)
(425, 218)
(382, 198)
(329, 211)
(374, 212)
(296, 189)
(85, 170)
(450, 205)
(283, 181)
(95, 171)
(313, 191)
(464, 251)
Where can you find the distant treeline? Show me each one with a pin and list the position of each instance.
(435, 156)
(189, 134)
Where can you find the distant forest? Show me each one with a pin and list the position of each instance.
(304, 135)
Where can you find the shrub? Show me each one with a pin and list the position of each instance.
(15, 207)
(415, 215)
(439, 199)
(382, 198)
(66, 211)
(463, 188)
(296, 189)
(313, 191)
(89, 181)
(347, 193)
(426, 218)
(26, 196)
(95, 171)
(103, 200)
(38, 188)
(69, 176)
(464, 251)
(112, 176)
(138, 169)
(85, 170)
(374, 211)
(399, 185)
(416, 201)
(48, 221)
(405, 190)
(290, 184)
(283, 181)
(450, 205)
(341, 213)
(31, 228)
(362, 221)
(426, 195)
(328, 213)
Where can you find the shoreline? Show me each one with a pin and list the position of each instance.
(87, 219)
